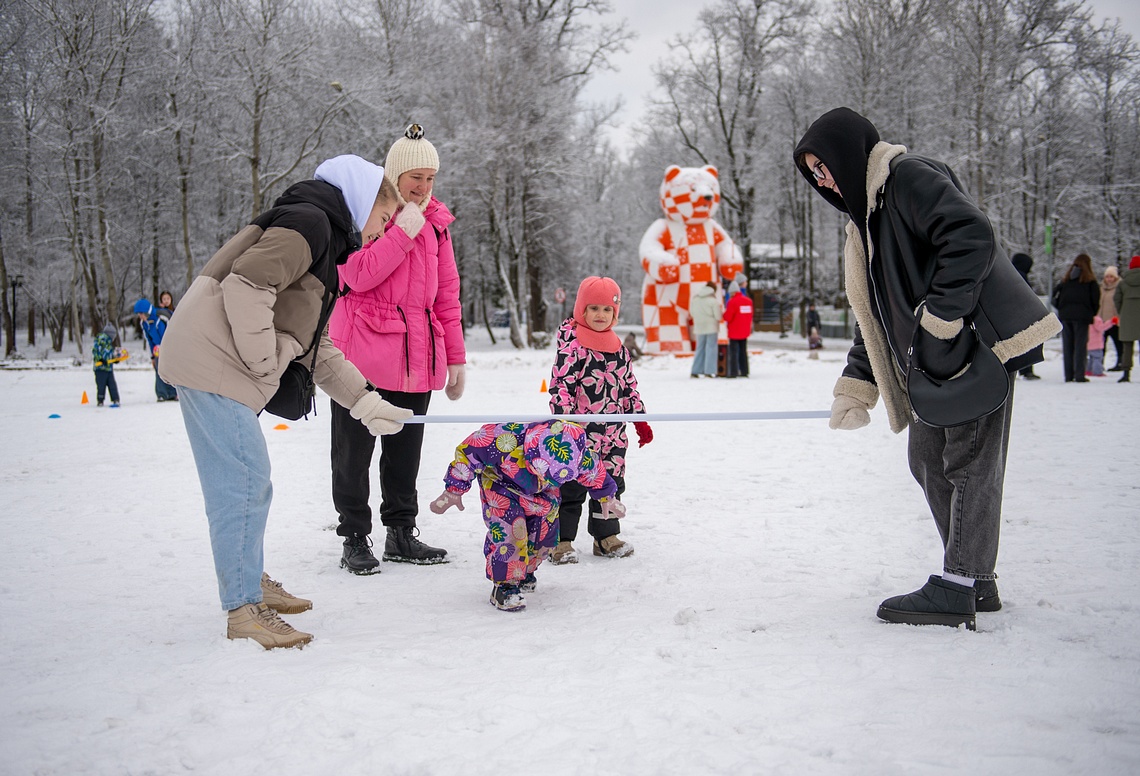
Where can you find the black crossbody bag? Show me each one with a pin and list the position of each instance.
(978, 390)
(296, 393)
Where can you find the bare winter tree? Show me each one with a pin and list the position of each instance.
(94, 51)
(274, 107)
(524, 65)
(1109, 61)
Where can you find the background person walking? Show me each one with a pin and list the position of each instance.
(706, 311)
(1127, 299)
(1076, 298)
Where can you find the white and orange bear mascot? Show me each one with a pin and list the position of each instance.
(681, 251)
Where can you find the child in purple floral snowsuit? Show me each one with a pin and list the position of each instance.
(593, 373)
(521, 467)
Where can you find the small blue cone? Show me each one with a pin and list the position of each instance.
(53, 416)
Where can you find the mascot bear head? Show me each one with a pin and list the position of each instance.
(690, 194)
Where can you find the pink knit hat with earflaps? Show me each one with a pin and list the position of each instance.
(599, 291)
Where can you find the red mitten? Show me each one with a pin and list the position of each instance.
(1115, 320)
(644, 433)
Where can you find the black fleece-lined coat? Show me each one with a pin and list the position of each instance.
(916, 237)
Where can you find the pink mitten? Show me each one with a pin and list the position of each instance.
(446, 501)
(612, 508)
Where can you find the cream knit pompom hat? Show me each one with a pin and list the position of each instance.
(411, 152)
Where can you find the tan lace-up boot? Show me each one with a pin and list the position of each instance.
(279, 599)
(612, 547)
(563, 553)
(260, 623)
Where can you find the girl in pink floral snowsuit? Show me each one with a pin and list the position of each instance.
(521, 467)
(593, 373)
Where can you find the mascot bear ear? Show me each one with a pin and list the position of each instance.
(711, 171)
(672, 172)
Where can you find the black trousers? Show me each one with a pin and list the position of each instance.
(352, 449)
(570, 513)
(1126, 349)
(1113, 334)
(1075, 344)
(738, 358)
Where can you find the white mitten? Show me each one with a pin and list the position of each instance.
(410, 219)
(456, 377)
(378, 415)
(612, 508)
(848, 413)
(446, 501)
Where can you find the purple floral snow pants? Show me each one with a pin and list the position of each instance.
(521, 530)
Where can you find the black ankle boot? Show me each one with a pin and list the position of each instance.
(358, 557)
(402, 546)
(986, 598)
(1125, 378)
(938, 602)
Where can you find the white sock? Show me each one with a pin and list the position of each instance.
(957, 580)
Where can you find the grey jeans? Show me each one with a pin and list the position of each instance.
(962, 472)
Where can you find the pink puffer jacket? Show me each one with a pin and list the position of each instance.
(401, 322)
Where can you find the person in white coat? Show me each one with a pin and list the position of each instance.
(706, 311)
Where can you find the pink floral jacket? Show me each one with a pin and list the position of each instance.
(588, 381)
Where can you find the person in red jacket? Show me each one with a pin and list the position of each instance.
(738, 316)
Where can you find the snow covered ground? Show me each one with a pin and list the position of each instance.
(740, 638)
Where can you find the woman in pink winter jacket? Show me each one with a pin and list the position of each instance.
(400, 323)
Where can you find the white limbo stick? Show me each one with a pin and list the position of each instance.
(654, 417)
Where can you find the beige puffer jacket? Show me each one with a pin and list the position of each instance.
(256, 305)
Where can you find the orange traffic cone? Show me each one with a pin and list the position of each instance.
(85, 400)
(543, 388)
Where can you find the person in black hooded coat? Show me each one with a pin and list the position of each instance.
(1023, 263)
(922, 262)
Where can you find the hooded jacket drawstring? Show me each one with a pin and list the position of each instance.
(407, 345)
(431, 335)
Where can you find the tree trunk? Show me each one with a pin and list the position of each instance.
(103, 233)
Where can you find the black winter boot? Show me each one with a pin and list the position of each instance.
(402, 546)
(986, 598)
(507, 597)
(938, 602)
(358, 557)
(1125, 378)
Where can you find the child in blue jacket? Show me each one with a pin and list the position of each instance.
(153, 321)
(104, 356)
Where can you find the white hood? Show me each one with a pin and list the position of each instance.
(358, 180)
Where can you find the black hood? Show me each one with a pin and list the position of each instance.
(1022, 262)
(843, 140)
(345, 238)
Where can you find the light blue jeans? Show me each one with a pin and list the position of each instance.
(704, 360)
(233, 466)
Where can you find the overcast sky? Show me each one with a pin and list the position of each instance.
(659, 21)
